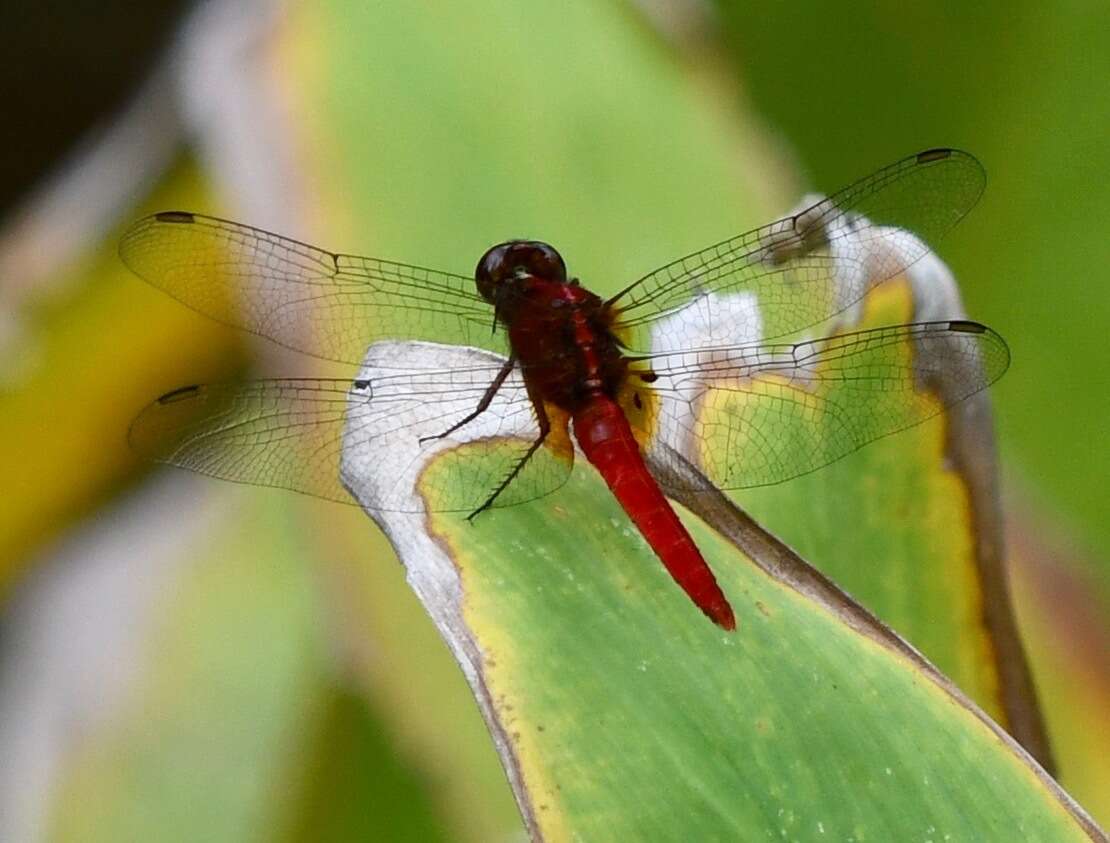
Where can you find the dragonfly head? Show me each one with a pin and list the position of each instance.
(516, 260)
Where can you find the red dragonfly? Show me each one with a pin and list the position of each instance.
(702, 360)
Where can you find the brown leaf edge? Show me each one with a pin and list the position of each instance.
(970, 451)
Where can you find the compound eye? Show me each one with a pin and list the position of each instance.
(491, 271)
(514, 260)
(491, 267)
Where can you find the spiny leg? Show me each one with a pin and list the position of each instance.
(545, 428)
(491, 391)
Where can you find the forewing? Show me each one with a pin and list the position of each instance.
(761, 414)
(813, 264)
(329, 305)
(292, 434)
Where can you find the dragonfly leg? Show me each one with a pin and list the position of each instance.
(482, 405)
(545, 428)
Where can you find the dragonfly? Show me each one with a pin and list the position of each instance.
(704, 361)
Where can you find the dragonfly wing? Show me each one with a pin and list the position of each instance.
(329, 305)
(315, 435)
(817, 262)
(757, 415)
(284, 433)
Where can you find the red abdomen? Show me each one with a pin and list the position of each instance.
(606, 438)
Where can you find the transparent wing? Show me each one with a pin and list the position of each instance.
(807, 267)
(293, 434)
(329, 305)
(761, 414)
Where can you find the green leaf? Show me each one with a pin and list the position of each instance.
(622, 713)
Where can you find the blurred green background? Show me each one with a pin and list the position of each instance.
(189, 662)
